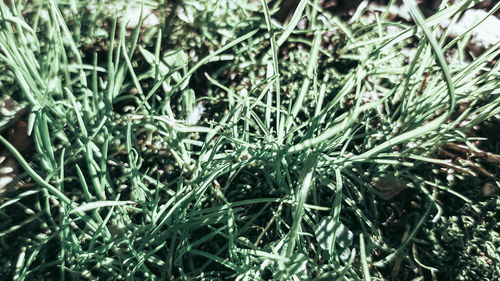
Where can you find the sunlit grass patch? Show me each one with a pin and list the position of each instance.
(219, 143)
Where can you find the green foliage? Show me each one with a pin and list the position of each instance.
(327, 233)
(275, 176)
(465, 243)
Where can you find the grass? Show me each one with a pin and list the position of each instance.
(224, 145)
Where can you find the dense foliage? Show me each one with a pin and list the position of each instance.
(220, 143)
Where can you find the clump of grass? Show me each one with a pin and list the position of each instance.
(279, 177)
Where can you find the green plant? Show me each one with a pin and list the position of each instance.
(297, 126)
